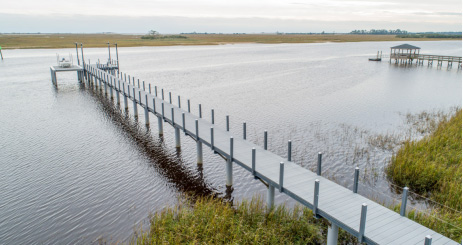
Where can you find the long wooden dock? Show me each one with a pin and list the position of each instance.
(369, 221)
(420, 58)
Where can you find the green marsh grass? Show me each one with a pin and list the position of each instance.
(208, 220)
(432, 168)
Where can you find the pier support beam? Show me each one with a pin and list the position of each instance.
(229, 172)
(177, 137)
(332, 237)
(118, 98)
(160, 127)
(126, 104)
(199, 151)
(147, 117)
(199, 145)
(229, 165)
(270, 197)
(111, 88)
(135, 109)
(105, 88)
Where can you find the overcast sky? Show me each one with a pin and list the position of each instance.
(175, 16)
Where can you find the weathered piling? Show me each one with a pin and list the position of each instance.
(147, 117)
(229, 165)
(199, 145)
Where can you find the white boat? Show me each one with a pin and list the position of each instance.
(63, 62)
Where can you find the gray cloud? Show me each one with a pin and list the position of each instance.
(438, 13)
(86, 24)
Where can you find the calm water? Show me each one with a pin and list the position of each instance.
(75, 169)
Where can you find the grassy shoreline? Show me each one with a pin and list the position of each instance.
(49, 41)
(208, 220)
(432, 167)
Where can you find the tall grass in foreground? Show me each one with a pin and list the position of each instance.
(212, 221)
(432, 168)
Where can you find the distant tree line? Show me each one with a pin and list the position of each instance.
(379, 32)
(430, 35)
(155, 35)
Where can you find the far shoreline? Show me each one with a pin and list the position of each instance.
(56, 41)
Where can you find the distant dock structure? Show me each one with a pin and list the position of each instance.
(66, 65)
(406, 54)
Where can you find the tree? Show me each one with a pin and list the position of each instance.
(153, 33)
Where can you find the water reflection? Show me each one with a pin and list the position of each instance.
(171, 167)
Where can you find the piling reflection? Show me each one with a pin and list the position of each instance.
(170, 166)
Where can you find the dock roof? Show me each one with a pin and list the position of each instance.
(405, 46)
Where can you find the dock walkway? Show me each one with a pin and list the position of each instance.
(340, 206)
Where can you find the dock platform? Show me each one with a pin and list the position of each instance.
(55, 69)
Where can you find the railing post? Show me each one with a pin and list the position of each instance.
(403, 206)
(172, 116)
(228, 123)
(170, 98)
(428, 240)
(212, 115)
(162, 110)
(289, 150)
(156, 91)
(149, 88)
(144, 86)
(253, 161)
(147, 117)
(315, 197)
(189, 109)
(183, 122)
(162, 94)
(197, 129)
(200, 112)
(319, 164)
(154, 106)
(229, 165)
(212, 138)
(356, 180)
(179, 102)
(244, 130)
(282, 173)
(363, 220)
(118, 99)
(199, 145)
(265, 140)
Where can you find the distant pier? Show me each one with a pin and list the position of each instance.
(406, 54)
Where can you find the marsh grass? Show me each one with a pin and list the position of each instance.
(432, 168)
(208, 220)
(16, 41)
